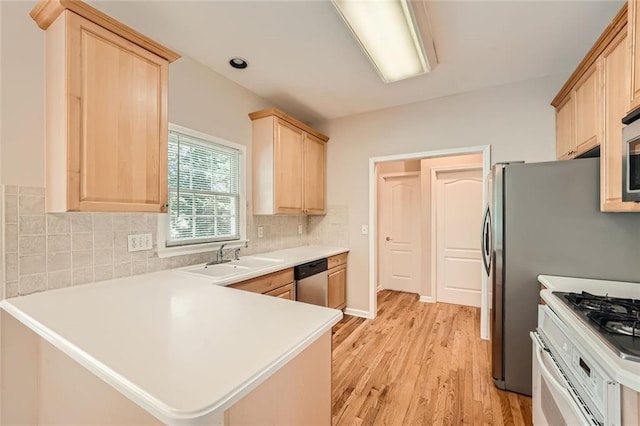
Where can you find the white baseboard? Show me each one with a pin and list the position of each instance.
(358, 313)
(427, 299)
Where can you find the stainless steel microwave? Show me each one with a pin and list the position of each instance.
(631, 162)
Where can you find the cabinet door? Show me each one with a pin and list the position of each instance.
(634, 41)
(288, 164)
(284, 292)
(117, 115)
(564, 129)
(314, 175)
(616, 84)
(587, 96)
(337, 282)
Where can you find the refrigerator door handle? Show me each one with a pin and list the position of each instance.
(486, 239)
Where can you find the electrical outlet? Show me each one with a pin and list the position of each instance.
(260, 231)
(364, 230)
(300, 228)
(139, 242)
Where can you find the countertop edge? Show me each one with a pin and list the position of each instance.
(245, 388)
(613, 365)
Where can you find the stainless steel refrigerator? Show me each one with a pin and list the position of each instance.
(544, 218)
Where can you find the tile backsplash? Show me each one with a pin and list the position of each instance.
(44, 251)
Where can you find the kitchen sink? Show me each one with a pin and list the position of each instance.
(235, 267)
(218, 271)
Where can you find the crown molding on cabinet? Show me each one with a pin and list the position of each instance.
(289, 119)
(46, 11)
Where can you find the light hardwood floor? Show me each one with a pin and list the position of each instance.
(417, 364)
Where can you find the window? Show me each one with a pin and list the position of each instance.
(205, 197)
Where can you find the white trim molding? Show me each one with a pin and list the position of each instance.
(358, 313)
(426, 299)
(163, 219)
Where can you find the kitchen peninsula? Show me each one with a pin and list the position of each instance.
(165, 347)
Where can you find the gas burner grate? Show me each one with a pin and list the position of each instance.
(614, 305)
(626, 325)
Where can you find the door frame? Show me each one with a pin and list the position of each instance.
(485, 150)
(381, 178)
(434, 225)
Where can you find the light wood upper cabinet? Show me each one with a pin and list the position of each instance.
(633, 69)
(587, 97)
(314, 175)
(579, 116)
(565, 134)
(106, 112)
(615, 67)
(591, 105)
(288, 168)
(289, 165)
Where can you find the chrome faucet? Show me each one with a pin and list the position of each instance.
(220, 254)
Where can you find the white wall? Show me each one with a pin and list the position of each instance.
(515, 119)
(22, 136)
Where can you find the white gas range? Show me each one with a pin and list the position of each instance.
(580, 374)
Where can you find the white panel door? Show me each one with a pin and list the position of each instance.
(400, 233)
(458, 226)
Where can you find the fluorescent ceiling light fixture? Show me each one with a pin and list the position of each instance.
(393, 33)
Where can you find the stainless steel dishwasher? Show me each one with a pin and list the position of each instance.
(311, 282)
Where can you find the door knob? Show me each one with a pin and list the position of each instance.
(388, 238)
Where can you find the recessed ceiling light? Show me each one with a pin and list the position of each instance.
(238, 63)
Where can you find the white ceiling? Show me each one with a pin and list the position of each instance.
(304, 60)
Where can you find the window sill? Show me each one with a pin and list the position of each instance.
(164, 252)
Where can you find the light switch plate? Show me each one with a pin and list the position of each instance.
(299, 228)
(260, 231)
(364, 230)
(139, 242)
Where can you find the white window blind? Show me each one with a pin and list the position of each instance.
(203, 191)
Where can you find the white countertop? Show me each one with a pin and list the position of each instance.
(181, 348)
(624, 371)
(287, 258)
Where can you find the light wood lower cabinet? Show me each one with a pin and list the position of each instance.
(278, 284)
(337, 281)
(284, 292)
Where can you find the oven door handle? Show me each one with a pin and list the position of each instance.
(545, 371)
